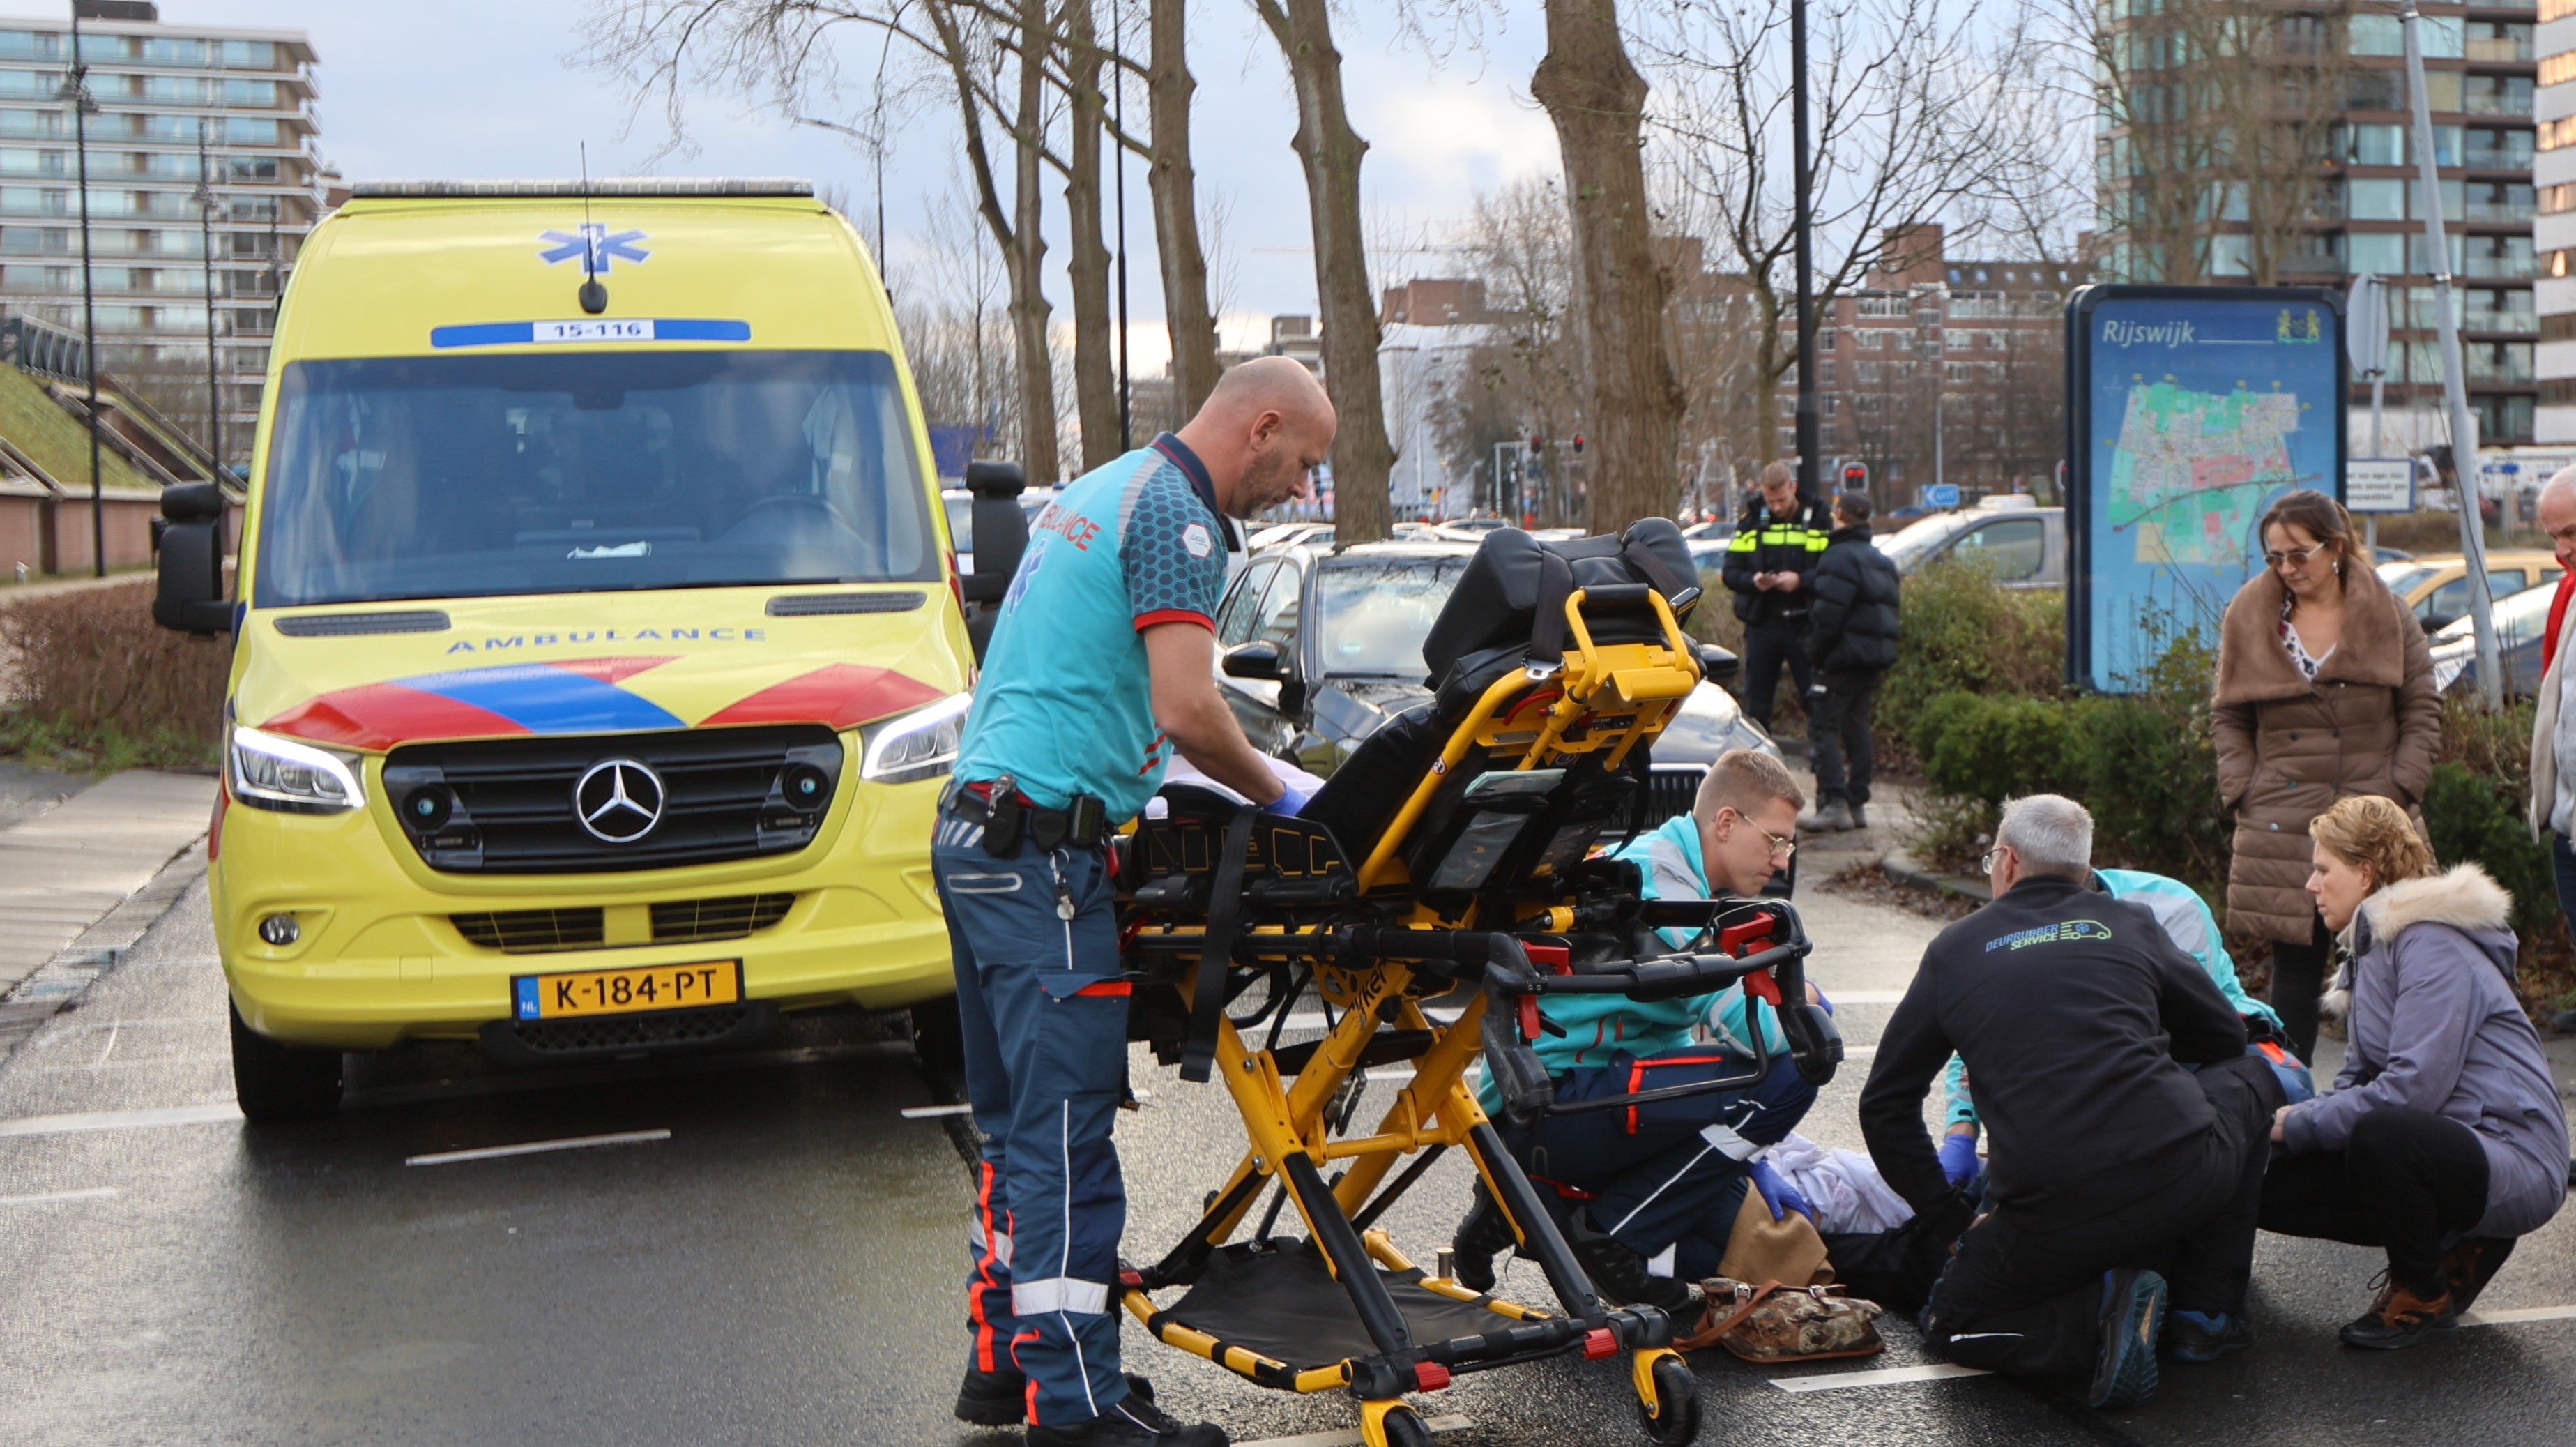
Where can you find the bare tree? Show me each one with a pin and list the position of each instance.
(1632, 401)
(1095, 382)
(1330, 152)
(949, 300)
(1188, 312)
(1518, 241)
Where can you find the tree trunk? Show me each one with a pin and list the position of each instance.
(1176, 212)
(1027, 248)
(1632, 401)
(1330, 152)
(1095, 383)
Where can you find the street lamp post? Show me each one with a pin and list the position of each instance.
(205, 198)
(75, 92)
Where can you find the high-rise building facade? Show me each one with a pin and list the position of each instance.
(200, 135)
(2554, 233)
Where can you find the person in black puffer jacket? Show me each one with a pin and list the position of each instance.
(1851, 635)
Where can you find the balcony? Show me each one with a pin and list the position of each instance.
(2500, 268)
(2515, 323)
(2485, 366)
(2493, 48)
(2518, 210)
(2499, 158)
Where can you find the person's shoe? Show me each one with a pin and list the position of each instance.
(2564, 1022)
(1001, 1398)
(1860, 816)
(2133, 1315)
(1834, 816)
(2399, 1318)
(1484, 1233)
(2469, 1266)
(1620, 1273)
(1135, 1422)
(2192, 1336)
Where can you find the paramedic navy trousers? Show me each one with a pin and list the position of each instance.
(1044, 1015)
(1665, 1178)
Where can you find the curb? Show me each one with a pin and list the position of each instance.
(57, 985)
(1900, 867)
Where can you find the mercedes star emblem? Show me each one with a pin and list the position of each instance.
(618, 801)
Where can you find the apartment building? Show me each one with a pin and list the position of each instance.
(2554, 232)
(204, 178)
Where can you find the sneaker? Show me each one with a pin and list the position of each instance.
(2133, 1314)
(1001, 1398)
(1135, 1422)
(1620, 1274)
(1860, 816)
(2192, 1336)
(1484, 1233)
(1834, 816)
(2469, 1266)
(2399, 1318)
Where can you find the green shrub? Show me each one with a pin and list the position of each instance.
(1964, 634)
(1990, 749)
(2473, 808)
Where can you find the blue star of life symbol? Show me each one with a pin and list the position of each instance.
(594, 239)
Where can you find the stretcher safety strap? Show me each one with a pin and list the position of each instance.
(1225, 916)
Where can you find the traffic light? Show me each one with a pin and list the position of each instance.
(1855, 477)
(1536, 444)
(1578, 442)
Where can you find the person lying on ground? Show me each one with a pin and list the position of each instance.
(1648, 1195)
(2443, 1139)
(2114, 1170)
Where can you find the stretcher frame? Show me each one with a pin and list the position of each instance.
(1376, 948)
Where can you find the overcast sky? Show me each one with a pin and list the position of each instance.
(486, 88)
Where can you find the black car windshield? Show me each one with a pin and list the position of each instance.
(448, 477)
(1377, 611)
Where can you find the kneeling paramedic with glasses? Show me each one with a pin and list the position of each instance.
(1100, 665)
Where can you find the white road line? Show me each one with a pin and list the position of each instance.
(533, 1148)
(1883, 1377)
(120, 1119)
(2511, 1315)
(932, 1112)
(1865, 997)
(47, 1198)
(1348, 1436)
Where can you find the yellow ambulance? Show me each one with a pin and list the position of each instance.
(598, 649)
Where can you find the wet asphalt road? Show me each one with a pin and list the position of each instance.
(783, 1267)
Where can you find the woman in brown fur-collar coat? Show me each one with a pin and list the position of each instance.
(2325, 689)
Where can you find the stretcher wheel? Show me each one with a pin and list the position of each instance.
(1400, 1427)
(1672, 1418)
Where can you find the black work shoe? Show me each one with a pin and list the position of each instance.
(2400, 1318)
(1135, 1422)
(1860, 816)
(1001, 1398)
(2133, 1314)
(2469, 1266)
(2192, 1336)
(1620, 1273)
(1485, 1232)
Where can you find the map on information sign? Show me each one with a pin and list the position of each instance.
(2198, 408)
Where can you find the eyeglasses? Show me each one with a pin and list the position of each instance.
(2299, 556)
(1986, 861)
(1782, 845)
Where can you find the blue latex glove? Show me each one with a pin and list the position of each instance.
(1291, 800)
(1959, 1158)
(1820, 997)
(1777, 1193)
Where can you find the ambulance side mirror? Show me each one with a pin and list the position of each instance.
(1001, 536)
(190, 598)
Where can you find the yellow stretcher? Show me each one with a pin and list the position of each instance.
(1470, 826)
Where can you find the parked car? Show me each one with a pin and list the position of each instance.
(959, 504)
(2520, 621)
(2022, 543)
(2437, 588)
(1319, 648)
(1283, 535)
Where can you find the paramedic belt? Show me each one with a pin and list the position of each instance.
(1008, 816)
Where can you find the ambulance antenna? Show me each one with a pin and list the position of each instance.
(594, 297)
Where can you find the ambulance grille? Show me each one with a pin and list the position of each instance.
(505, 806)
(687, 921)
(585, 1035)
(531, 931)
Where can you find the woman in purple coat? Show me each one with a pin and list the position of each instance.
(2442, 1140)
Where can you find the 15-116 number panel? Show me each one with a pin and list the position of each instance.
(626, 991)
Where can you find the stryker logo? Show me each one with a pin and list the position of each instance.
(2063, 932)
(609, 635)
(2140, 334)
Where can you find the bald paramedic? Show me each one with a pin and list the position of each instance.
(1100, 668)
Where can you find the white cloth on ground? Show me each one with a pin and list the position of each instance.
(1843, 1186)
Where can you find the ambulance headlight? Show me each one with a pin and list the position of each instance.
(918, 745)
(269, 772)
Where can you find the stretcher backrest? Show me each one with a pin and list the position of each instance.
(1511, 587)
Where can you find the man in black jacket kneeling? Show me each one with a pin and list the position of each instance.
(2118, 1183)
(1851, 636)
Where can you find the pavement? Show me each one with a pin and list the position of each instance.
(768, 1249)
(65, 866)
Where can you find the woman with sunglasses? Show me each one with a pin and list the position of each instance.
(2325, 690)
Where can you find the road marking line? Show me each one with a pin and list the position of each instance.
(930, 1112)
(1348, 1436)
(120, 1119)
(1883, 1377)
(46, 1198)
(2513, 1314)
(533, 1148)
(1867, 997)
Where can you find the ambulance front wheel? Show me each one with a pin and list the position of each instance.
(1672, 1418)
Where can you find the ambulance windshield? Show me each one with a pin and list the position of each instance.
(576, 472)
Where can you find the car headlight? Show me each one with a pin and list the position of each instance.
(918, 745)
(270, 772)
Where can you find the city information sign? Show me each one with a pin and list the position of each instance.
(2189, 410)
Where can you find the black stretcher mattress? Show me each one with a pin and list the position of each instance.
(1283, 1303)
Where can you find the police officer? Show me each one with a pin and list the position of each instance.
(1101, 665)
(1776, 547)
